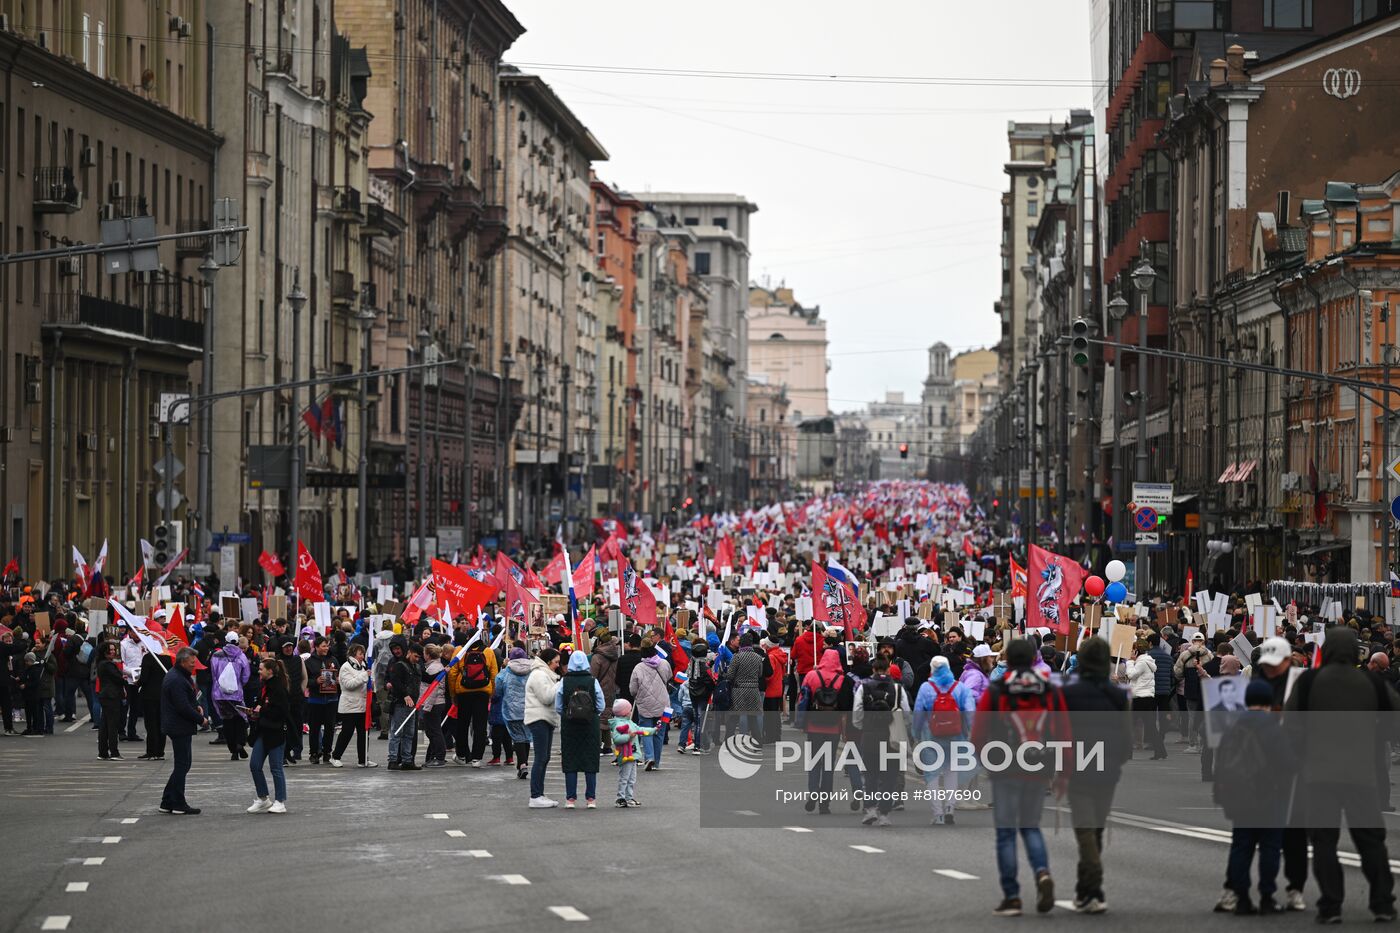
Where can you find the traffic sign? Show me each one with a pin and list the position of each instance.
(1147, 537)
(175, 499)
(1155, 496)
(1395, 508)
(168, 462)
(1393, 468)
(1145, 519)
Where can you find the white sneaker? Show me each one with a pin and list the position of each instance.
(367, 764)
(337, 763)
(569, 805)
(883, 821)
(476, 762)
(542, 803)
(1293, 900)
(261, 805)
(278, 807)
(1227, 902)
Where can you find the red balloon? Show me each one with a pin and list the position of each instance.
(1094, 586)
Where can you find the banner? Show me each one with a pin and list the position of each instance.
(1053, 582)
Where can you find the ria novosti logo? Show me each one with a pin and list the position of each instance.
(740, 756)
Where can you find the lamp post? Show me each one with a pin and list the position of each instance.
(1143, 278)
(537, 518)
(365, 318)
(297, 299)
(423, 338)
(612, 451)
(1390, 356)
(507, 361)
(1117, 309)
(207, 270)
(564, 464)
(468, 426)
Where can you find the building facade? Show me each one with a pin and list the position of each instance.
(787, 345)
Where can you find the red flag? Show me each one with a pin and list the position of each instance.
(638, 601)
(931, 560)
(507, 569)
(307, 582)
(312, 417)
(611, 551)
(968, 549)
(882, 531)
(554, 571)
(11, 567)
(724, 556)
(175, 624)
(584, 573)
(1053, 581)
(833, 602)
(518, 602)
(269, 562)
(1018, 579)
(462, 594)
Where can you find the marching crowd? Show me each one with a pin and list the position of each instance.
(484, 692)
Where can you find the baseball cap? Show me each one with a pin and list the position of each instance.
(982, 651)
(231, 638)
(1198, 637)
(1274, 650)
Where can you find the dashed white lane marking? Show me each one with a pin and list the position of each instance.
(869, 850)
(1067, 905)
(797, 829)
(509, 879)
(436, 816)
(568, 913)
(954, 874)
(77, 887)
(456, 834)
(746, 813)
(77, 725)
(479, 853)
(96, 860)
(111, 840)
(129, 820)
(56, 923)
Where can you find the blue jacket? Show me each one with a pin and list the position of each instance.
(510, 687)
(1163, 657)
(179, 715)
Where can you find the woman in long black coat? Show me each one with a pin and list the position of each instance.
(578, 729)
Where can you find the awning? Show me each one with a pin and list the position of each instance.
(1322, 548)
(1238, 472)
(1229, 472)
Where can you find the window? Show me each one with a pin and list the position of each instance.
(1287, 14)
(86, 40)
(1032, 208)
(101, 49)
(1192, 14)
(702, 263)
(692, 221)
(19, 144)
(1370, 9)
(722, 223)
(1156, 90)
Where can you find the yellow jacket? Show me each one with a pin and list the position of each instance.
(454, 676)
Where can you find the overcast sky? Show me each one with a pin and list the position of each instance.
(896, 257)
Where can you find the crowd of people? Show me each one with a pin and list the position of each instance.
(610, 690)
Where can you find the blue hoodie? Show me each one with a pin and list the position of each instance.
(942, 677)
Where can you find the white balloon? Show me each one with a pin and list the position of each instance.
(1115, 571)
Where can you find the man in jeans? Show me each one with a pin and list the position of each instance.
(405, 680)
(1023, 707)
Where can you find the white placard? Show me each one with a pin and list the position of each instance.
(1252, 602)
(903, 609)
(1265, 622)
(321, 614)
(975, 628)
(884, 626)
(714, 599)
(384, 593)
(1217, 622)
(802, 608)
(248, 608)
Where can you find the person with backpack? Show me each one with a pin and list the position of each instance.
(1253, 775)
(873, 706)
(510, 689)
(471, 681)
(942, 715)
(578, 701)
(826, 690)
(773, 688)
(541, 720)
(1105, 706)
(700, 685)
(230, 670)
(1027, 708)
(1339, 770)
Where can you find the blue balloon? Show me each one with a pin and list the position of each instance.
(1115, 592)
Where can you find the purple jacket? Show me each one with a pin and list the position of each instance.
(224, 657)
(974, 680)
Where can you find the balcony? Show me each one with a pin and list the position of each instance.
(126, 207)
(345, 205)
(72, 309)
(188, 246)
(343, 290)
(381, 221)
(55, 191)
(434, 184)
(491, 230)
(259, 169)
(464, 206)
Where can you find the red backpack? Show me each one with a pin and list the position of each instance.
(945, 719)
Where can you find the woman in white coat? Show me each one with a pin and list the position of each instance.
(541, 720)
(350, 708)
(1142, 686)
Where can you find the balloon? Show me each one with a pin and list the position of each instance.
(1115, 592)
(1094, 586)
(1115, 571)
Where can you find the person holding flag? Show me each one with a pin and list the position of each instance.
(405, 684)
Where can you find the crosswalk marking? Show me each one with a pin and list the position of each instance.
(509, 879)
(479, 853)
(1067, 905)
(56, 923)
(954, 874)
(568, 913)
(91, 862)
(456, 834)
(436, 816)
(868, 850)
(111, 840)
(129, 820)
(77, 725)
(77, 887)
(797, 829)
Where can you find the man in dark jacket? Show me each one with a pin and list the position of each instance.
(296, 695)
(1165, 684)
(180, 718)
(1099, 714)
(1339, 774)
(405, 680)
(208, 643)
(631, 657)
(1272, 666)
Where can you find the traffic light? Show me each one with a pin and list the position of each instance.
(904, 451)
(160, 542)
(689, 502)
(1079, 342)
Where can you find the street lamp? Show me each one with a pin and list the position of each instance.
(296, 299)
(468, 425)
(208, 269)
(365, 318)
(1118, 309)
(507, 361)
(423, 339)
(1144, 276)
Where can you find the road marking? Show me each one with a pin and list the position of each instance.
(797, 829)
(509, 879)
(568, 913)
(456, 834)
(55, 923)
(111, 840)
(746, 813)
(76, 726)
(436, 816)
(90, 862)
(869, 850)
(129, 820)
(77, 887)
(479, 853)
(954, 874)
(1067, 905)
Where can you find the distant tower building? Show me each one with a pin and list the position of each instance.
(938, 413)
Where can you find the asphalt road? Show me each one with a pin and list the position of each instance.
(457, 849)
